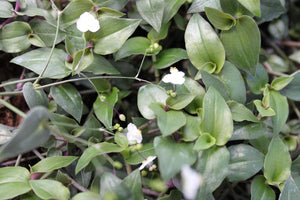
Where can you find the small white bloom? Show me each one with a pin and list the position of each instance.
(134, 135)
(149, 163)
(87, 22)
(175, 76)
(191, 182)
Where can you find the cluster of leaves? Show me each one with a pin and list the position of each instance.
(231, 120)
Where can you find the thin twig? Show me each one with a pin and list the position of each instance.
(11, 162)
(38, 154)
(147, 124)
(289, 43)
(18, 160)
(76, 184)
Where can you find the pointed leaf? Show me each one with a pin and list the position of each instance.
(168, 122)
(83, 59)
(290, 190)
(216, 118)
(53, 163)
(277, 164)
(180, 101)
(13, 182)
(50, 189)
(263, 111)
(152, 12)
(110, 39)
(240, 112)
(261, 191)
(103, 111)
(6, 9)
(220, 20)
(271, 9)
(34, 97)
(147, 150)
(292, 90)
(169, 57)
(133, 181)
(252, 6)
(281, 82)
(172, 156)
(14, 36)
(204, 141)
(203, 46)
(35, 59)
(150, 94)
(248, 131)
(245, 161)
(133, 46)
(257, 82)
(101, 66)
(32, 133)
(199, 5)
(171, 7)
(242, 44)
(280, 105)
(87, 195)
(213, 166)
(67, 97)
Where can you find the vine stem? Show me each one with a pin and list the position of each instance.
(140, 68)
(53, 46)
(13, 108)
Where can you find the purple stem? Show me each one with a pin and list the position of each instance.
(17, 8)
(111, 107)
(141, 154)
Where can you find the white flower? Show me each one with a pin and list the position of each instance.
(149, 163)
(87, 22)
(176, 77)
(191, 182)
(134, 135)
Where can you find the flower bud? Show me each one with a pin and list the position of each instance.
(122, 117)
(117, 164)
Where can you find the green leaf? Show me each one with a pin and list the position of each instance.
(155, 36)
(213, 166)
(257, 83)
(203, 46)
(172, 156)
(234, 8)
(263, 110)
(67, 97)
(5, 134)
(295, 56)
(171, 7)
(116, 5)
(70, 48)
(240, 112)
(74, 9)
(168, 122)
(32, 133)
(180, 101)
(292, 90)
(63, 123)
(245, 161)
(103, 111)
(205, 141)
(101, 66)
(121, 140)
(290, 190)
(174, 195)
(199, 5)
(281, 82)
(248, 131)
(295, 171)
(35, 61)
(280, 105)
(242, 44)
(133, 46)
(211, 80)
(86, 195)
(14, 36)
(191, 130)
(133, 181)
(147, 150)
(252, 6)
(150, 94)
(234, 82)
(13, 181)
(46, 31)
(35, 40)
(152, 12)
(277, 164)
(113, 188)
(50, 189)
(34, 97)
(95, 150)
(32, 11)
(270, 9)
(101, 85)
(261, 191)
(52, 163)
(169, 57)
(82, 60)
(220, 20)
(216, 117)
(110, 39)
(6, 9)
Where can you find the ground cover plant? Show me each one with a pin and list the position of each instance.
(150, 99)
